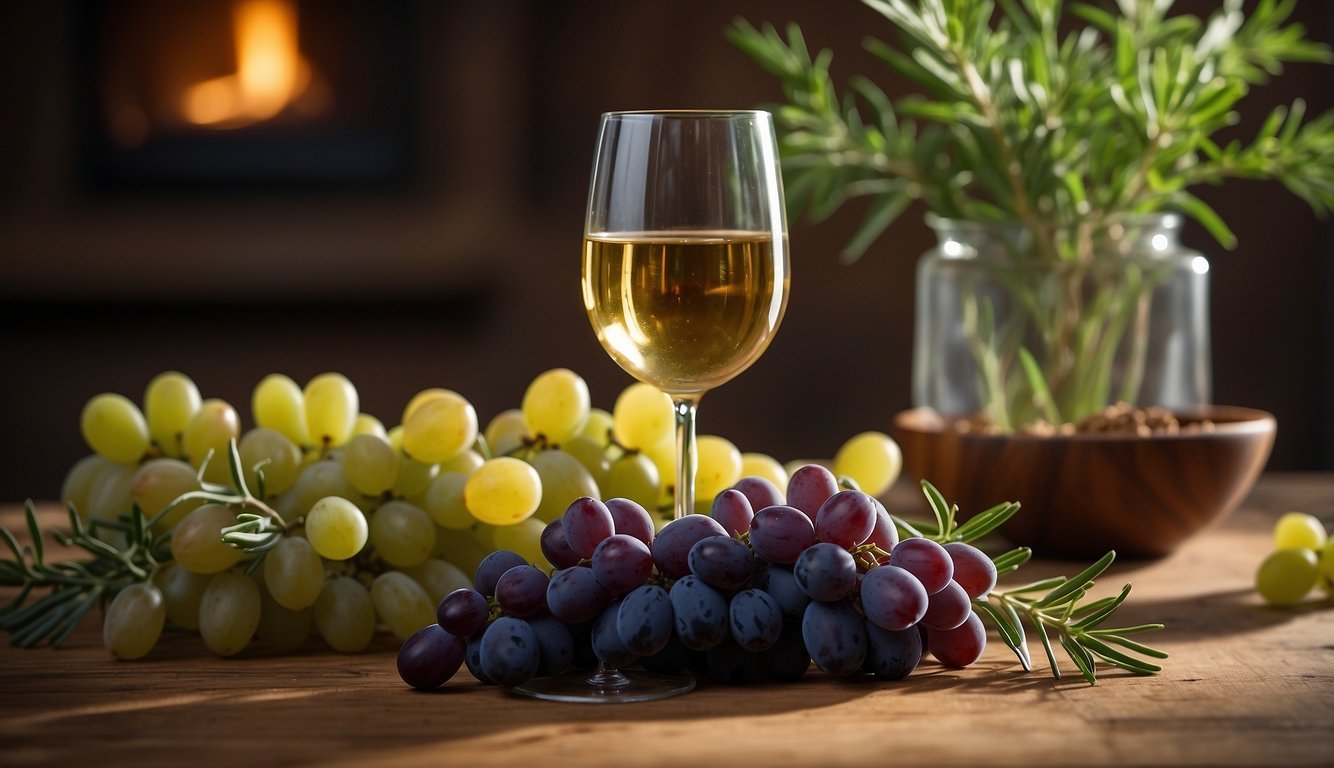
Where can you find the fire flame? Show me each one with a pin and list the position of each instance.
(270, 72)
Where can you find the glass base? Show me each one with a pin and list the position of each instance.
(607, 686)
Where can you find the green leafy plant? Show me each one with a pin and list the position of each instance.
(1053, 607)
(1060, 127)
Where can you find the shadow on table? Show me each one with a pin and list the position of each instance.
(1199, 617)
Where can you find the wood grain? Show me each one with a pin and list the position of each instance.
(1246, 684)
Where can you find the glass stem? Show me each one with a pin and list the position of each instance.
(685, 454)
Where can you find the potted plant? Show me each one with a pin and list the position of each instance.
(1056, 149)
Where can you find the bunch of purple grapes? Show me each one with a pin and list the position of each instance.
(759, 588)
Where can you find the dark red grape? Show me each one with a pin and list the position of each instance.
(492, 567)
(554, 546)
(780, 534)
(760, 492)
(463, 612)
(926, 560)
(846, 519)
(430, 657)
(892, 597)
(621, 563)
(885, 535)
(947, 608)
(972, 569)
(587, 523)
(630, 518)
(671, 548)
(733, 511)
(722, 562)
(961, 646)
(522, 591)
(809, 487)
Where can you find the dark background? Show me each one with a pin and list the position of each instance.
(459, 266)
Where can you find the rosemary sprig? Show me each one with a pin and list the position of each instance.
(75, 586)
(1052, 607)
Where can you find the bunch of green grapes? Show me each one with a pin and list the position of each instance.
(377, 524)
(1303, 558)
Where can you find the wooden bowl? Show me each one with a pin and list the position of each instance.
(1085, 494)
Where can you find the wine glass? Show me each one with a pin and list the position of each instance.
(685, 279)
(685, 272)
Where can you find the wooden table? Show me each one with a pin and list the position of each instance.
(1246, 684)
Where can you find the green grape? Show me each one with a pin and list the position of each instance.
(872, 460)
(597, 428)
(523, 538)
(278, 403)
(590, 454)
(133, 621)
(212, 429)
(1287, 575)
(556, 405)
(281, 628)
(169, 403)
(663, 456)
(414, 477)
(460, 548)
(109, 497)
(401, 603)
(563, 479)
(765, 466)
(294, 573)
(503, 491)
(321, 480)
(158, 483)
(113, 426)
(484, 535)
(719, 466)
(402, 534)
(280, 456)
(508, 428)
(229, 613)
(370, 464)
(367, 424)
(331, 409)
(336, 528)
(1327, 561)
(196, 541)
(466, 462)
(443, 501)
(85, 475)
(440, 429)
(634, 476)
(344, 615)
(182, 591)
(642, 416)
(1299, 530)
(438, 578)
(421, 398)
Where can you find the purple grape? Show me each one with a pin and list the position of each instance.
(574, 595)
(556, 644)
(961, 646)
(607, 642)
(780, 534)
(847, 518)
(891, 654)
(826, 572)
(587, 523)
(701, 613)
(787, 661)
(554, 546)
(782, 586)
(670, 660)
(645, 620)
(885, 535)
(756, 619)
(730, 664)
(722, 562)
(809, 488)
(621, 563)
(972, 569)
(733, 511)
(522, 591)
(892, 597)
(463, 612)
(492, 567)
(630, 518)
(473, 659)
(671, 548)
(760, 492)
(430, 657)
(947, 608)
(835, 637)
(926, 560)
(510, 653)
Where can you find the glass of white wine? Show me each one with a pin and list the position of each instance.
(685, 263)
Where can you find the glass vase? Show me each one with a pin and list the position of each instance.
(1017, 332)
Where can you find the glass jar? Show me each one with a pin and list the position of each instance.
(1014, 332)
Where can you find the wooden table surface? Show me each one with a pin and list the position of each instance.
(1246, 684)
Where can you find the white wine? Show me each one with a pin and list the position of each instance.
(685, 311)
